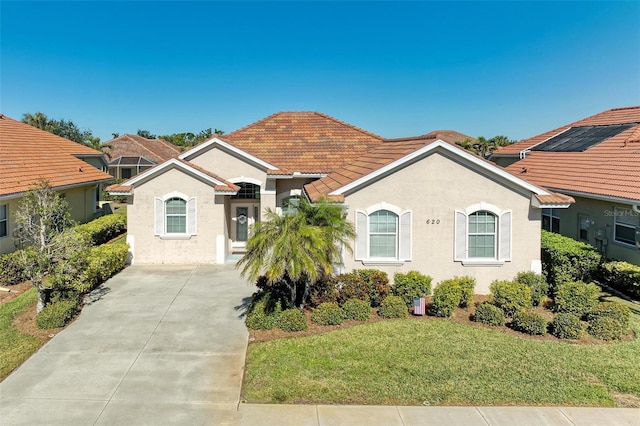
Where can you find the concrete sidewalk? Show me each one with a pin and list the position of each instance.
(336, 415)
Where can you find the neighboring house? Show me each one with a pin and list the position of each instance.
(596, 161)
(130, 155)
(418, 203)
(27, 155)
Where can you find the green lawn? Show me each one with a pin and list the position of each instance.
(15, 347)
(439, 362)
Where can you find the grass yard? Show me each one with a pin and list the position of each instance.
(441, 362)
(15, 346)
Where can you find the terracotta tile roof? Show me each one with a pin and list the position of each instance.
(612, 116)
(156, 150)
(380, 156)
(555, 198)
(305, 142)
(610, 168)
(119, 188)
(28, 154)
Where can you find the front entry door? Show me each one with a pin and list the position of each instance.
(242, 224)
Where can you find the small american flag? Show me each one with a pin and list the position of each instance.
(419, 306)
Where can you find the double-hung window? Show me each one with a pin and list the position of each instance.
(482, 234)
(383, 234)
(625, 221)
(551, 220)
(175, 216)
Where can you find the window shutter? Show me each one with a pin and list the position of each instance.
(361, 235)
(191, 216)
(505, 237)
(159, 217)
(460, 238)
(405, 236)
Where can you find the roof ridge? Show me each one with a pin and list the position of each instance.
(344, 123)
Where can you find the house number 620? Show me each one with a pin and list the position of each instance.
(433, 221)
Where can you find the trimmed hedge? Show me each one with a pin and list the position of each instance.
(487, 313)
(605, 328)
(102, 263)
(103, 229)
(356, 309)
(576, 297)
(529, 322)
(566, 326)
(292, 320)
(614, 310)
(510, 296)
(537, 283)
(393, 307)
(565, 259)
(57, 314)
(622, 276)
(328, 313)
(410, 285)
(264, 311)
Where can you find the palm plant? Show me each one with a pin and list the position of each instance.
(299, 248)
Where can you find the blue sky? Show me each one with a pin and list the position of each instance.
(396, 69)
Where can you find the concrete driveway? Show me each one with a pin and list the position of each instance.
(155, 345)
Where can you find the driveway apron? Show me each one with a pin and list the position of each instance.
(154, 345)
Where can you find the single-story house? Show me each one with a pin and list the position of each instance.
(419, 203)
(596, 161)
(28, 154)
(132, 154)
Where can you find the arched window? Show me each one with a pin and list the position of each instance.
(482, 234)
(383, 234)
(248, 191)
(176, 216)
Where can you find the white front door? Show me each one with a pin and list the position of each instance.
(243, 217)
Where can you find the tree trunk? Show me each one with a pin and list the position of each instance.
(41, 300)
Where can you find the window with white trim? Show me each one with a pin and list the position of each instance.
(551, 220)
(482, 233)
(4, 220)
(175, 216)
(383, 234)
(625, 222)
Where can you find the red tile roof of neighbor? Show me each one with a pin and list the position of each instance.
(305, 142)
(610, 168)
(380, 156)
(28, 154)
(156, 150)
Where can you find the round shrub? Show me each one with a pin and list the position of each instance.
(446, 297)
(292, 320)
(351, 286)
(328, 313)
(566, 326)
(264, 311)
(323, 291)
(410, 285)
(537, 283)
(356, 309)
(576, 297)
(393, 307)
(57, 314)
(605, 328)
(614, 310)
(467, 287)
(510, 296)
(529, 322)
(377, 284)
(487, 313)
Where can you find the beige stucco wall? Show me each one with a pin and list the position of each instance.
(149, 248)
(433, 189)
(81, 205)
(601, 213)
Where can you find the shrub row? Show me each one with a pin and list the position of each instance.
(103, 229)
(370, 285)
(565, 259)
(57, 314)
(622, 276)
(452, 293)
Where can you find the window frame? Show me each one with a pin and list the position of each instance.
(628, 213)
(160, 217)
(503, 251)
(551, 214)
(5, 207)
(168, 215)
(403, 236)
(394, 233)
(494, 234)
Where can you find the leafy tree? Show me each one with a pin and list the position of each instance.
(191, 139)
(146, 134)
(66, 129)
(298, 249)
(41, 217)
(483, 146)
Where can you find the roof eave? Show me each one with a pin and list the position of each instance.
(56, 188)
